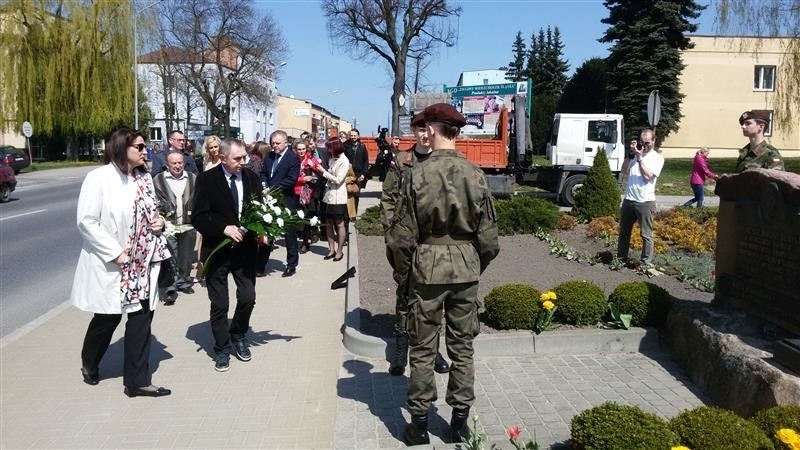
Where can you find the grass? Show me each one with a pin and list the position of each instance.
(674, 179)
(47, 165)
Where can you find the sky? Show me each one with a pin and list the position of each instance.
(319, 70)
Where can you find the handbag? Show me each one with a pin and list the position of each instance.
(350, 183)
(353, 188)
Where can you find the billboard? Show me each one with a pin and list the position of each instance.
(481, 104)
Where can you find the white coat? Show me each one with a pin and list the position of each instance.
(336, 190)
(105, 213)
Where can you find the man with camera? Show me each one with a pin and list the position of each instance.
(643, 166)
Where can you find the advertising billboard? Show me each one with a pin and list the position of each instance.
(481, 104)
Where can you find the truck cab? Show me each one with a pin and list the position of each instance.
(576, 139)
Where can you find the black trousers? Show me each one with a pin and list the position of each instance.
(238, 261)
(136, 368)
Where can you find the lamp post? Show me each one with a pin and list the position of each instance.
(135, 12)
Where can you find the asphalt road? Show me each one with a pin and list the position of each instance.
(39, 245)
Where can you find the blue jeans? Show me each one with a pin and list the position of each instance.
(698, 191)
(630, 213)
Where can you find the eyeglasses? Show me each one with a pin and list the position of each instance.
(140, 147)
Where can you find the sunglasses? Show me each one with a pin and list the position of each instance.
(140, 147)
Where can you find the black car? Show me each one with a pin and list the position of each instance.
(16, 158)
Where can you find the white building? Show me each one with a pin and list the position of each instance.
(482, 77)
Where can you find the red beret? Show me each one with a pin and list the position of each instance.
(418, 120)
(762, 116)
(444, 113)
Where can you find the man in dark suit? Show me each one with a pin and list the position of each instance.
(219, 196)
(177, 143)
(279, 172)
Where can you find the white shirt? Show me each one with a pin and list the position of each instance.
(640, 189)
(177, 186)
(239, 187)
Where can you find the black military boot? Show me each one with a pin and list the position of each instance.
(440, 364)
(459, 426)
(400, 360)
(417, 431)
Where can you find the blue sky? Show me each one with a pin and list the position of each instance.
(317, 69)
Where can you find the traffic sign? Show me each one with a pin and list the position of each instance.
(654, 108)
(27, 129)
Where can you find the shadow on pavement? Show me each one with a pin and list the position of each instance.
(200, 334)
(111, 365)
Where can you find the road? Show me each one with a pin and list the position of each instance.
(39, 245)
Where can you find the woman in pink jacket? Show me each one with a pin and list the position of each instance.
(700, 171)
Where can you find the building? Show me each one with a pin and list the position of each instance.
(250, 119)
(723, 77)
(298, 115)
(481, 77)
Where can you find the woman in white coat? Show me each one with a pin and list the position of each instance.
(120, 258)
(334, 200)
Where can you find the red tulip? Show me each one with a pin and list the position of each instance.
(513, 433)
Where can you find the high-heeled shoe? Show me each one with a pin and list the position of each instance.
(338, 258)
(329, 256)
(90, 378)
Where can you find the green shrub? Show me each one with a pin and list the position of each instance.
(615, 426)
(369, 222)
(710, 428)
(646, 302)
(579, 302)
(512, 306)
(599, 195)
(521, 214)
(773, 419)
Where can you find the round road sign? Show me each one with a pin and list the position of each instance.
(27, 129)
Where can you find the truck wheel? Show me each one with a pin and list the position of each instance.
(571, 188)
(5, 193)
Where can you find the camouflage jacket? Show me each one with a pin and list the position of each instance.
(390, 193)
(443, 230)
(765, 157)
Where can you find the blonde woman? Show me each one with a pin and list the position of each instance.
(211, 152)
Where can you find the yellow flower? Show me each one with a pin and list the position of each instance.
(787, 435)
(794, 445)
(680, 447)
(548, 305)
(549, 295)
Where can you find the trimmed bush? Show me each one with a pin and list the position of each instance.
(646, 302)
(521, 214)
(369, 222)
(710, 428)
(615, 426)
(512, 306)
(579, 302)
(599, 195)
(567, 222)
(773, 419)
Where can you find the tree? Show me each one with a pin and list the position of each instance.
(391, 31)
(228, 51)
(585, 92)
(599, 196)
(515, 71)
(67, 68)
(770, 18)
(647, 38)
(547, 70)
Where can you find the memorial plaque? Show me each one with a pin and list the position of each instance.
(758, 245)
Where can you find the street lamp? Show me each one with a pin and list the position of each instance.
(135, 14)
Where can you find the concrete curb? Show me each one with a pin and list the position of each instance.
(507, 343)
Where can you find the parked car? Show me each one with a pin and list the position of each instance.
(8, 182)
(16, 158)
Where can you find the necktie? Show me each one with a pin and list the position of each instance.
(235, 194)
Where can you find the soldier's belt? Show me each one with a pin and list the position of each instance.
(446, 239)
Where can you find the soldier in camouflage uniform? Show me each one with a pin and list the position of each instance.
(758, 153)
(443, 233)
(401, 162)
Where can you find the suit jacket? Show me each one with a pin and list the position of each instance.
(213, 208)
(165, 194)
(283, 177)
(159, 162)
(358, 156)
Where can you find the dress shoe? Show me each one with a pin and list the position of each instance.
(261, 274)
(440, 365)
(330, 256)
(188, 290)
(339, 258)
(148, 391)
(289, 272)
(303, 249)
(416, 432)
(90, 378)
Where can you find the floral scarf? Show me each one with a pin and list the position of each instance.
(144, 246)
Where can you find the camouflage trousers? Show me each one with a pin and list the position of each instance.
(458, 303)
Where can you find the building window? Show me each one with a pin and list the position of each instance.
(764, 78)
(258, 115)
(155, 133)
(485, 81)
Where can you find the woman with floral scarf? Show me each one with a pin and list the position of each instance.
(120, 260)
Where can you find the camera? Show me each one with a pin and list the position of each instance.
(383, 145)
(640, 145)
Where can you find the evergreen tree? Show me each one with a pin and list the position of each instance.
(585, 92)
(515, 71)
(559, 65)
(547, 69)
(647, 37)
(599, 195)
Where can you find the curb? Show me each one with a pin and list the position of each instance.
(506, 343)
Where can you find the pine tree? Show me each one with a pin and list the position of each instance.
(647, 37)
(599, 195)
(560, 66)
(547, 68)
(515, 71)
